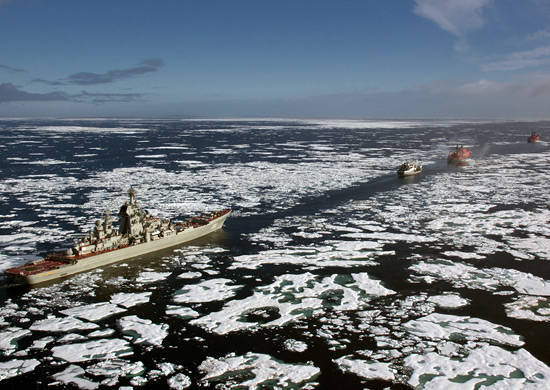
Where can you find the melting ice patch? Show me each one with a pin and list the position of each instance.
(485, 365)
(16, 367)
(130, 299)
(366, 369)
(529, 308)
(150, 276)
(64, 324)
(449, 300)
(491, 279)
(9, 338)
(143, 330)
(207, 291)
(91, 350)
(255, 370)
(448, 327)
(292, 297)
(94, 311)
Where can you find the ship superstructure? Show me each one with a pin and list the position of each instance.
(138, 233)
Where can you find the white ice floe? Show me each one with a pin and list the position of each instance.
(9, 338)
(189, 275)
(529, 308)
(74, 374)
(447, 327)
(182, 312)
(463, 255)
(150, 276)
(449, 300)
(94, 311)
(487, 365)
(295, 345)
(130, 299)
(366, 369)
(113, 369)
(179, 382)
(462, 275)
(91, 350)
(292, 297)
(61, 324)
(207, 291)
(335, 253)
(261, 370)
(16, 367)
(143, 330)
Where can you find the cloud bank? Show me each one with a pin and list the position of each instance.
(11, 69)
(111, 76)
(11, 93)
(89, 78)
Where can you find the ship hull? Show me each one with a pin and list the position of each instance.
(117, 255)
(409, 172)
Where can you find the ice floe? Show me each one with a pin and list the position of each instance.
(143, 330)
(206, 291)
(485, 365)
(261, 370)
(366, 369)
(91, 350)
(130, 299)
(449, 327)
(529, 308)
(63, 324)
(16, 367)
(94, 311)
(462, 275)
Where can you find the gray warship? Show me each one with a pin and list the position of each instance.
(138, 233)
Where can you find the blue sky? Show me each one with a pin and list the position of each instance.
(355, 59)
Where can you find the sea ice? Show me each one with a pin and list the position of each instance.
(13, 368)
(179, 382)
(113, 369)
(447, 327)
(74, 374)
(95, 349)
(63, 324)
(94, 311)
(207, 291)
(366, 369)
(255, 370)
(449, 300)
(484, 365)
(9, 338)
(182, 312)
(130, 299)
(143, 330)
(150, 277)
(295, 345)
(529, 308)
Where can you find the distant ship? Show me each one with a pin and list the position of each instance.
(533, 138)
(139, 233)
(459, 156)
(409, 168)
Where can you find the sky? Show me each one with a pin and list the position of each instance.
(483, 59)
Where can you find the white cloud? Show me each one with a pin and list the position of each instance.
(521, 59)
(454, 16)
(539, 35)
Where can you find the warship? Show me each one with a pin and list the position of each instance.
(138, 233)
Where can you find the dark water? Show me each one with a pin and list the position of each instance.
(331, 272)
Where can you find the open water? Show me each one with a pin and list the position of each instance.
(331, 272)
